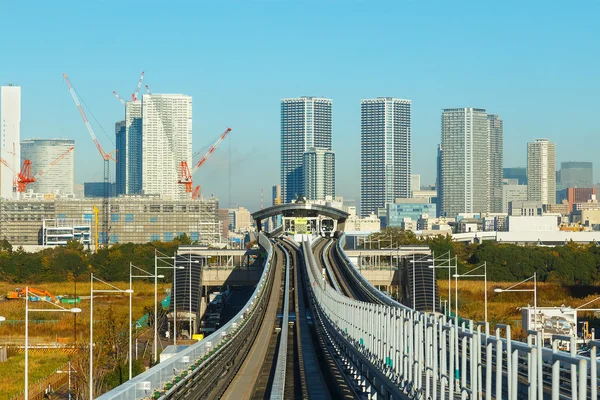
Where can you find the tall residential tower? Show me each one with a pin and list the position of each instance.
(541, 171)
(318, 168)
(385, 152)
(10, 137)
(496, 154)
(464, 161)
(129, 150)
(305, 124)
(166, 142)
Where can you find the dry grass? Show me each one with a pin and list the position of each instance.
(504, 307)
(13, 370)
(60, 324)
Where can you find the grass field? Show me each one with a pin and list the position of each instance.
(54, 326)
(504, 307)
(13, 370)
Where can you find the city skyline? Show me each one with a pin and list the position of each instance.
(241, 88)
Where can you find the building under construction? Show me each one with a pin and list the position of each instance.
(132, 219)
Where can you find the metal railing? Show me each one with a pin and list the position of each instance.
(278, 387)
(159, 380)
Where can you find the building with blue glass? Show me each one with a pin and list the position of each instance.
(397, 212)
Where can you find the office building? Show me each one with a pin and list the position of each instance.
(133, 219)
(276, 195)
(10, 137)
(513, 193)
(574, 174)
(166, 142)
(579, 195)
(96, 189)
(541, 171)
(415, 183)
(413, 209)
(496, 154)
(52, 164)
(519, 173)
(305, 123)
(318, 168)
(385, 152)
(465, 187)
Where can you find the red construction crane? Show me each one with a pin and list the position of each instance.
(184, 170)
(137, 89)
(119, 97)
(148, 90)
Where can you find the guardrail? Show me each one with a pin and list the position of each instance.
(160, 380)
(418, 354)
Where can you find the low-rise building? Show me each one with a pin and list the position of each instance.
(541, 223)
(408, 208)
(512, 192)
(525, 208)
(368, 224)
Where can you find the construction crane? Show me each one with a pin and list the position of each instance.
(184, 170)
(106, 157)
(137, 89)
(119, 97)
(148, 90)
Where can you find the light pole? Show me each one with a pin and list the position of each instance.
(131, 276)
(92, 291)
(534, 290)
(190, 290)
(27, 311)
(442, 265)
(69, 372)
(163, 257)
(484, 276)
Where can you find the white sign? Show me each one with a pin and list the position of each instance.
(550, 321)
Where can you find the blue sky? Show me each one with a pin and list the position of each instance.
(536, 64)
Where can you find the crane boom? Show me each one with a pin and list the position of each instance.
(53, 163)
(119, 97)
(210, 150)
(105, 155)
(137, 88)
(148, 90)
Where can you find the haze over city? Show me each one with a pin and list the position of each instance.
(237, 60)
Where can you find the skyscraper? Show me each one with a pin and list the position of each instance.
(56, 178)
(495, 137)
(305, 123)
(385, 152)
(439, 182)
(167, 141)
(276, 194)
(465, 187)
(129, 146)
(576, 174)
(121, 164)
(10, 137)
(319, 173)
(541, 171)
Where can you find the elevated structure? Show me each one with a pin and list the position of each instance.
(305, 218)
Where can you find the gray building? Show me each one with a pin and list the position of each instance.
(52, 164)
(496, 154)
(305, 123)
(512, 193)
(464, 161)
(576, 174)
(318, 168)
(525, 208)
(385, 152)
(541, 171)
(519, 173)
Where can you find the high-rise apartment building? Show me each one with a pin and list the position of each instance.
(56, 176)
(318, 168)
(166, 142)
(276, 195)
(10, 137)
(576, 174)
(464, 161)
(129, 149)
(496, 154)
(385, 152)
(541, 171)
(305, 123)
(439, 181)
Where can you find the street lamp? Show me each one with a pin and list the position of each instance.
(131, 276)
(163, 257)
(484, 276)
(27, 310)
(413, 261)
(92, 291)
(442, 265)
(534, 290)
(69, 372)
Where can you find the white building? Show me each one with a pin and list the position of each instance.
(385, 152)
(166, 142)
(318, 168)
(415, 183)
(541, 171)
(242, 219)
(10, 137)
(52, 176)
